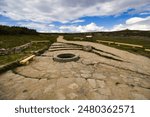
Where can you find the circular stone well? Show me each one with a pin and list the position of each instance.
(66, 57)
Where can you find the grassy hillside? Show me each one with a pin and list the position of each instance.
(9, 38)
(9, 41)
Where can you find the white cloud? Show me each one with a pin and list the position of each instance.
(92, 27)
(40, 14)
(118, 27)
(142, 10)
(72, 21)
(51, 25)
(66, 10)
(135, 23)
(77, 21)
(33, 25)
(41, 27)
(135, 20)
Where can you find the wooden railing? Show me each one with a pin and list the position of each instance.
(123, 44)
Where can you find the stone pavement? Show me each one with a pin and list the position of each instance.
(104, 73)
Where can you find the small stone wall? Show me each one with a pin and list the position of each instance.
(14, 50)
(19, 49)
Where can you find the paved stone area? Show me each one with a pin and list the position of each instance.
(93, 76)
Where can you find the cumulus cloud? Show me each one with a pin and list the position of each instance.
(135, 23)
(40, 27)
(92, 27)
(40, 14)
(135, 20)
(33, 25)
(142, 10)
(66, 10)
(77, 21)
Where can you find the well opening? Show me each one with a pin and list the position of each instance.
(66, 57)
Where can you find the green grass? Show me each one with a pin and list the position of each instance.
(37, 46)
(139, 51)
(11, 58)
(9, 41)
(137, 40)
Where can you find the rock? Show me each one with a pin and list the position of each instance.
(68, 66)
(136, 79)
(80, 81)
(86, 75)
(36, 94)
(139, 96)
(104, 91)
(87, 48)
(64, 82)
(114, 77)
(60, 95)
(92, 83)
(75, 65)
(87, 62)
(73, 86)
(72, 96)
(75, 74)
(54, 76)
(99, 76)
(22, 96)
(100, 84)
(66, 74)
(49, 88)
(3, 51)
(85, 71)
(97, 96)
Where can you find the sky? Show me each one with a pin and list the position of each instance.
(76, 15)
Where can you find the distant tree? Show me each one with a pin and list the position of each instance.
(15, 30)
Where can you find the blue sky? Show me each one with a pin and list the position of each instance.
(76, 15)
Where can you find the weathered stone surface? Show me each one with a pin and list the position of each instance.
(91, 77)
(84, 75)
(73, 86)
(104, 91)
(60, 94)
(100, 84)
(87, 62)
(139, 96)
(87, 48)
(114, 77)
(64, 82)
(72, 96)
(81, 81)
(92, 83)
(49, 88)
(99, 76)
